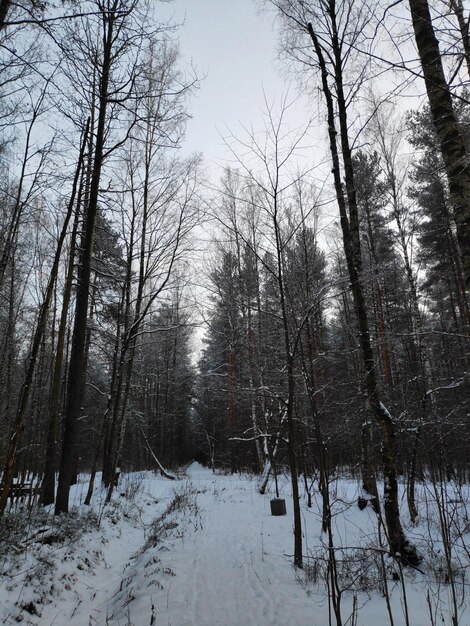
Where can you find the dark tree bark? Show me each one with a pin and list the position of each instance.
(76, 375)
(4, 8)
(349, 218)
(454, 152)
(48, 483)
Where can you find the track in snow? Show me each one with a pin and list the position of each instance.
(233, 571)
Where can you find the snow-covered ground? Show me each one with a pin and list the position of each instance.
(206, 551)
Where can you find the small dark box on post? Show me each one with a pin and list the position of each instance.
(278, 506)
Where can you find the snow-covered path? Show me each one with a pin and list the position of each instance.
(234, 572)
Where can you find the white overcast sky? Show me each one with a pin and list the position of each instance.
(234, 47)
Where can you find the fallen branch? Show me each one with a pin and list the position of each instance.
(160, 466)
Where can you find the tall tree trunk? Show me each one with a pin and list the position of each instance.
(351, 241)
(76, 377)
(48, 484)
(419, 344)
(454, 152)
(291, 429)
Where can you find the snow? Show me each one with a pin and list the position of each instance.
(206, 551)
(384, 410)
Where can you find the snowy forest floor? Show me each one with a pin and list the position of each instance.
(205, 551)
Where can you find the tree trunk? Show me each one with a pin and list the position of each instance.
(351, 241)
(4, 8)
(48, 484)
(291, 430)
(369, 481)
(454, 153)
(76, 378)
(270, 454)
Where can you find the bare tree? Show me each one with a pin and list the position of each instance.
(266, 167)
(113, 23)
(162, 215)
(37, 341)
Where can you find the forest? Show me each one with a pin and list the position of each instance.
(321, 330)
